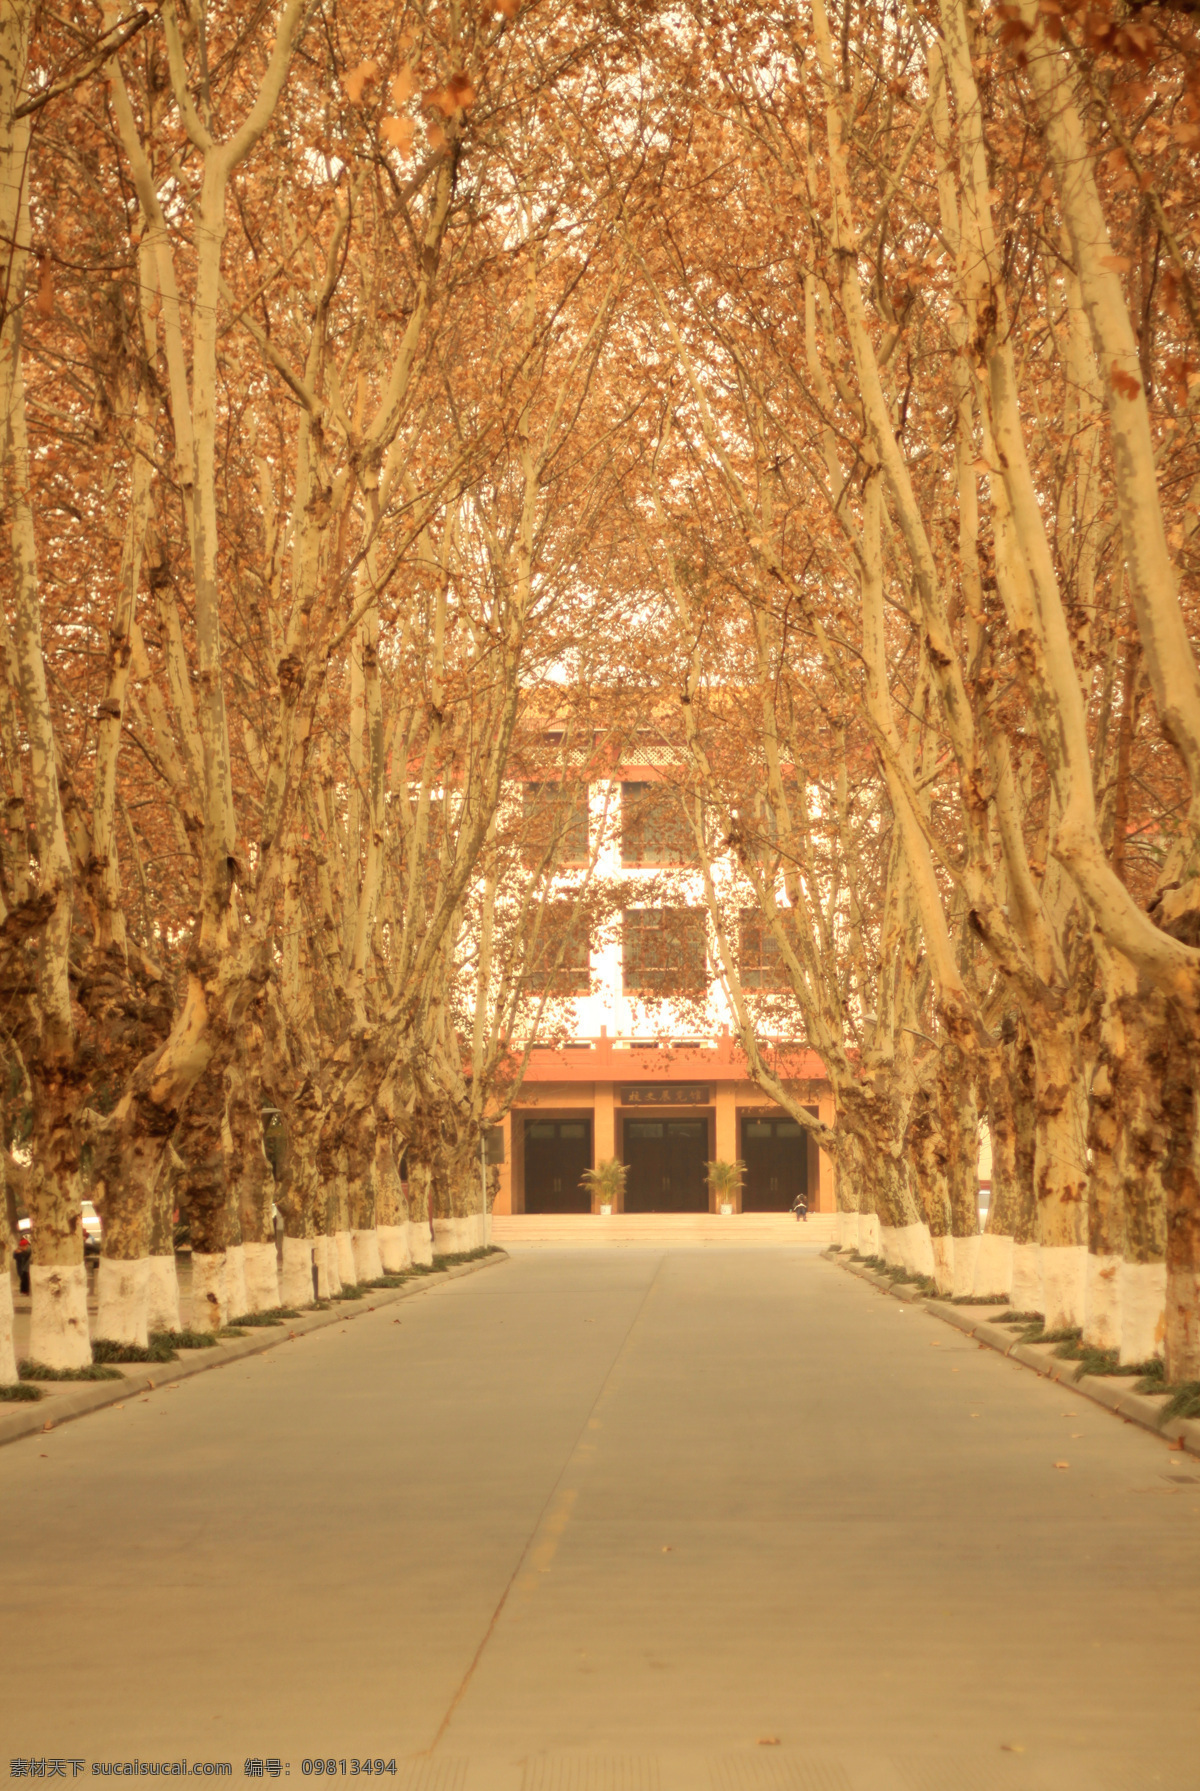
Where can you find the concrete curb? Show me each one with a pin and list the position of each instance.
(144, 1377)
(1106, 1390)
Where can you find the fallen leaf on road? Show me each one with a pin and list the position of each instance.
(1075, 1435)
(1011, 1747)
(668, 1549)
(1062, 1464)
(768, 1741)
(1177, 1444)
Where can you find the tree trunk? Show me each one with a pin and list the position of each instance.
(925, 1144)
(250, 1178)
(8, 1359)
(960, 1124)
(1060, 1168)
(58, 1335)
(420, 1211)
(994, 1265)
(162, 1282)
(1106, 1139)
(360, 1188)
(202, 1197)
(1181, 1182)
(390, 1222)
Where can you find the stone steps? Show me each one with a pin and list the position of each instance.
(572, 1231)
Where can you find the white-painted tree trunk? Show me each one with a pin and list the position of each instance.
(966, 1255)
(994, 1266)
(848, 1231)
(870, 1241)
(262, 1278)
(162, 1294)
(368, 1262)
(58, 1333)
(919, 1249)
(344, 1250)
(296, 1280)
(394, 1252)
(329, 1280)
(1064, 1284)
(1026, 1278)
(210, 1308)
(944, 1259)
(235, 1281)
(445, 1237)
(889, 1249)
(8, 1357)
(1143, 1310)
(1102, 1320)
(420, 1243)
(122, 1314)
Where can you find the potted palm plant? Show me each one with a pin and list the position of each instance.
(725, 1180)
(606, 1184)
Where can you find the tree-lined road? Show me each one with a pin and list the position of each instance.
(638, 1518)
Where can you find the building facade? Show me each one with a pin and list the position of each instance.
(644, 1067)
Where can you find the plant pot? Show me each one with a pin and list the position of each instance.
(605, 1211)
(726, 1207)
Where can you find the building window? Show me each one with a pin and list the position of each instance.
(760, 962)
(664, 952)
(560, 959)
(654, 828)
(555, 817)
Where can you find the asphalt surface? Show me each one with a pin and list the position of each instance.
(662, 1519)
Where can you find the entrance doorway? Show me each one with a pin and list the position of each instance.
(665, 1159)
(557, 1151)
(775, 1152)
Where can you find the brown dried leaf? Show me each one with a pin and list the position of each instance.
(1124, 384)
(403, 87)
(1120, 264)
(359, 79)
(398, 132)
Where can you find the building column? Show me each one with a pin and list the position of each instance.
(604, 1127)
(503, 1200)
(826, 1201)
(726, 1136)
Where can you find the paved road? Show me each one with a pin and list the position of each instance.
(586, 1521)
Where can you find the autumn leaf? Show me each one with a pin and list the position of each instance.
(455, 97)
(403, 87)
(1120, 264)
(398, 132)
(506, 8)
(437, 136)
(359, 79)
(1124, 384)
(45, 289)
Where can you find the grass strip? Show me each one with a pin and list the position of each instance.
(21, 1390)
(93, 1371)
(274, 1315)
(184, 1339)
(157, 1350)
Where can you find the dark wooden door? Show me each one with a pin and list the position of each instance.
(557, 1151)
(665, 1159)
(775, 1152)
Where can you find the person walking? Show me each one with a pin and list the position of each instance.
(800, 1206)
